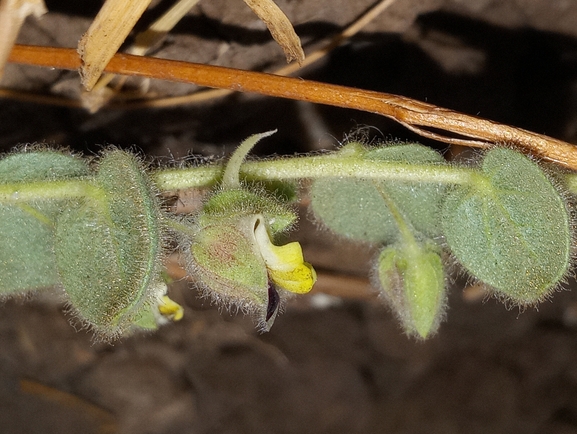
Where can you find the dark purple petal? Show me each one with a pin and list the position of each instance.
(273, 301)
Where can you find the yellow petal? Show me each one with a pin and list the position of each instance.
(285, 264)
(170, 309)
(299, 280)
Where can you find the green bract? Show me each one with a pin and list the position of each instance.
(108, 249)
(240, 201)
(357, 208)
(226, 262)
(412, 282)
(510, 228)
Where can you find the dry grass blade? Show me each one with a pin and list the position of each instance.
(416, 115)
(151, 37)
(101, 95)
(106, 34)
(12, 16)
(280, 28)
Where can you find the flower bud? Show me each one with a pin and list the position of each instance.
(412, 283)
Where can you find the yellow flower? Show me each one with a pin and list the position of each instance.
(162, 310)
(170, 309)
(285, 264)
(235, 262)
(231, 254)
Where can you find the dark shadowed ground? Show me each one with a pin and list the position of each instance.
(330, 364)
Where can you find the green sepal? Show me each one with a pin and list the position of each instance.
(227, 263)
(227, 204)
(510, 228)
(412, 283)
(282, 191)
(108, 249)
(357, 208)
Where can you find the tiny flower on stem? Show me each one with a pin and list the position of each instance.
(170, 309)
(232, 254)
(237, 265)
(162, 310)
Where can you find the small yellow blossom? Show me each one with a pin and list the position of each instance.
(169, 309)
(162, 311)
(285, 264)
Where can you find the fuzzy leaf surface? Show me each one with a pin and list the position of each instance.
(41, 166)
(511, 229)
(108, 250)
(27, 259)
(356, 208)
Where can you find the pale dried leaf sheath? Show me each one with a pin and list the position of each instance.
(107, 32)
(280, 28)
(143, 42)
(12, 16)
(158, 30)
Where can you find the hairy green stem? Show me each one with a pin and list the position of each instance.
(48, 190)
(279, 169)
(184, 228)
(316, 167)
(405, 230)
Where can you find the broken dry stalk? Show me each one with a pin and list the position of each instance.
(143, 43)
(279, 27)
(106, 34)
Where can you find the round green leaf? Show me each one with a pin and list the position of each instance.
(41, 166)
(108, 249)
(26, 257)
(511, 228)
(357, 208)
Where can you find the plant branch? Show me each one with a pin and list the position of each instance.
(415, 115)
(316, 167)
(48, 190)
